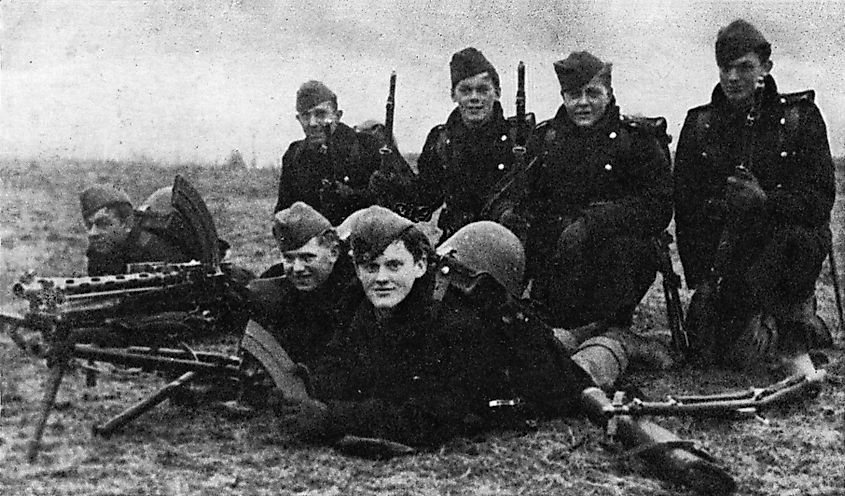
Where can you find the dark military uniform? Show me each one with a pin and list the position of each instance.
(463, 167)
(141, 246)
(303, 322)
(309, 174)
(432, 370)
(615, 175)
(777, 254)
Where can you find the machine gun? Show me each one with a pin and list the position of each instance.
(105, 318)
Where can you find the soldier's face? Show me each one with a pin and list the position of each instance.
(309, 266)
(475, 97)
(741, 76)
(106, 230)
(587, 104)
(389, 278)
(319, 122)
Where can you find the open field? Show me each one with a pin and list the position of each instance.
(795, 450)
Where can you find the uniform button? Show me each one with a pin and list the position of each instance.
(782, 121)
(448, 141)
(504, 137)
(612, 135)
(444, 270)
(707, 126)
(779, 186)
(783, 100)
(501, 166)
(608, 167)
(704, 154)
(346, 179)
(783, 154)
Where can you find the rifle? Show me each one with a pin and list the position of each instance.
(671, 284)
(110, 312)
(393, 192)
(703, 321)
(522, 125)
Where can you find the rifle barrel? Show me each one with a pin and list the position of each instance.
(389, 111)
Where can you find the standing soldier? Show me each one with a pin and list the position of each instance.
(601, 191)
(115, 237)
(330, 169)
(754, 187)
(465, 160)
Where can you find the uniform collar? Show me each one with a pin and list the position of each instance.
(456, 127)
(720, 101)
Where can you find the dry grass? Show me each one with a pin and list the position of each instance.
(799, 449)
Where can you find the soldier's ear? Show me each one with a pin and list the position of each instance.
(338, 113)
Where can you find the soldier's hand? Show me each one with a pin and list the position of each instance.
(308, 418)
(572, 240)
(744, 194)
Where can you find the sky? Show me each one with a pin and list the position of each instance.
(192, 80)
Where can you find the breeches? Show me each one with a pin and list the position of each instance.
(606, 282)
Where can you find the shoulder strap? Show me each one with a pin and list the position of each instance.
(790, 121)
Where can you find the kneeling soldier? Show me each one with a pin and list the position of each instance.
(754, 187)
(464, 160)
(330, 168)
(602, 190)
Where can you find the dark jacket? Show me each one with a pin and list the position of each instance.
(304, 322)
(430, 372)
(140, 246)
(790, 157)
(615, 175)
(350, 159)
(461, 167)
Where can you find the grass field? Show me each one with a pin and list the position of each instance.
(795, 450)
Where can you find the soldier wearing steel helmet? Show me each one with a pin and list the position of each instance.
(116, 238)
(754, 188)
(439, 350)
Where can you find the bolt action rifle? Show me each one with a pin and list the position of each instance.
(512, 186)
(393, 189)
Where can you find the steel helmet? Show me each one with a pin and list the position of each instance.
(157, 210)
(487, 247)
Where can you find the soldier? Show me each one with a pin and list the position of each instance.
(601, 190)
(301, 309)
(754, 187)
(115, 238)
(434, 354)
(330, 169)
(464, 160)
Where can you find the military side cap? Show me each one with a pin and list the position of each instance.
(373, 230)
(738, 38)
(313, 93)
(294, 226)
(578, 69)
(470, 62)
(100, 196)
